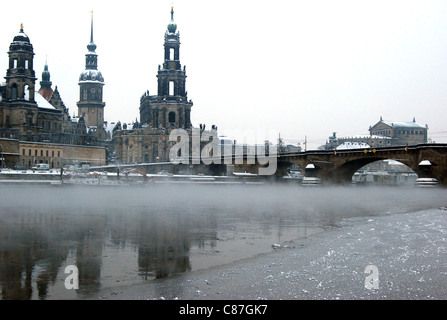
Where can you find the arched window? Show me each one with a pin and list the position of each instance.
(14, 92)
(26, 93)
(171, 116)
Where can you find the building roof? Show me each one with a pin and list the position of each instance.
(46, 93)
(400, 124)
(42, 102)
(403, 124)
(352, 145)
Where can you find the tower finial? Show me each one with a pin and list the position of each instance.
(91, 46)
(172, 12)
(21, 27)
(91, 33)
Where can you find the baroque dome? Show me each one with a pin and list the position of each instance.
(21, 36)
(91, 75)
(21, 42)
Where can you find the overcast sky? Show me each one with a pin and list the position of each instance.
(300, 68)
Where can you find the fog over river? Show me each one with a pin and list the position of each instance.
(134, 234)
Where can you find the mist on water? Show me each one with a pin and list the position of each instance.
(277, 199)
(128, 235)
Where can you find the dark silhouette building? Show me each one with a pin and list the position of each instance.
(148, 140)
(170, 108)
(35, 123)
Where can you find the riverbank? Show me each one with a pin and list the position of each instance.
(407, 252)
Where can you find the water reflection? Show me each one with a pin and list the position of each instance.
(122, 236)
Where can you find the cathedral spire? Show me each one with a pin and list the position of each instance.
(91, 46)
(91, 82)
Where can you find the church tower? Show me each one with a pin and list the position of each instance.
(91, 82)
(20, 76)
(170, 108)
(45, 85)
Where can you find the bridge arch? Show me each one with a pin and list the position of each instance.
(345, 171)
(340, 166)
(387, 172)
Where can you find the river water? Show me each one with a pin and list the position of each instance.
(131, 235)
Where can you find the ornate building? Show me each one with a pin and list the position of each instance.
(32, 121)
(91, 82)
(382, 134)
(401, 133)
(148, 141)
(170, 107)
(24, 113)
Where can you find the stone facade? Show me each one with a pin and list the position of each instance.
(401, 133)
(148, 141)
(384, 134)
(91, 104)
(35, 126)
(170, 108)
(9, 152)
(24, 113)
(58, 155)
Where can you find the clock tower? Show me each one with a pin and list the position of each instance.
(91, 82)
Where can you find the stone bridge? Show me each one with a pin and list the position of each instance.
(336, 167)
(339, 166)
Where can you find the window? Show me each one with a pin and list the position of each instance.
(35, 152)
(171, 54)
(14, 65)
(171, 116)
(171, 88)
(26, 93)
(14, 91)
(29, 152)
(52, 153)
(58, 153)
(41, 153)
(23, 151)
(47, 153)
(26, 64)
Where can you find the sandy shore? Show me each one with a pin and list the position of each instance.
(407, 252)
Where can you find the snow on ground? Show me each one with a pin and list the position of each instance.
(409, 251)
